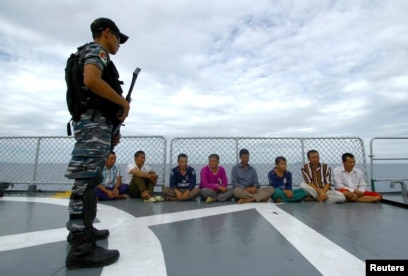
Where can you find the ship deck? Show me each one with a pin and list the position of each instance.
(195, 238)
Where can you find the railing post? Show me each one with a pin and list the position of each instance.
(302, 148)
(32, 188)
(236, 151)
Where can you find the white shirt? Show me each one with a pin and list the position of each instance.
(127, 177)
(349, 180)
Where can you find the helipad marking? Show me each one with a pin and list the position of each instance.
(130, 234)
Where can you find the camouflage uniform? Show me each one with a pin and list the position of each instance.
(93, 134)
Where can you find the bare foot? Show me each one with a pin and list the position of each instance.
(169, 198)
(145, 195)
(309, 198)
(354, 198)
(246, 200)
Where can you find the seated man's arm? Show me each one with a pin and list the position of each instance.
(306, 177)
(118, 182)
(193, 180)
(153, 176)
(173, 183)
(362, 184)
(224, 180)
(204, 181)
(139, 173)
(288, 191)
(234, 178)
(109, 193)
(235, 182)
(326, 187)
(255, 181)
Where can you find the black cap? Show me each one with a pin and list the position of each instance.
(101, 24)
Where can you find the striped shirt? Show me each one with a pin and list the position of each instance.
(319, 176)
(349, 180)
(109, 176)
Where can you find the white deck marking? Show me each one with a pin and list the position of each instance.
(326, 256)
(323, 254)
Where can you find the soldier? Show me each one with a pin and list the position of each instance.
(93, 134)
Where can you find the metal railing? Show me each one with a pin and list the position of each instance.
(391, 145)
(264, 150)
(43, 160)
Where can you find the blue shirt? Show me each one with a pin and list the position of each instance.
(186, 181)
(283, 183)
(244, 178)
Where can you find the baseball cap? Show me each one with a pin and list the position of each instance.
(101, 24)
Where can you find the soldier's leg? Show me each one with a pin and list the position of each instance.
(93, 139)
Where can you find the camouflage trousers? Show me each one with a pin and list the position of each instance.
(93, 139)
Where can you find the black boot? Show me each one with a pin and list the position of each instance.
(85, 253)
(97, 234)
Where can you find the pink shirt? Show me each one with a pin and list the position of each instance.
(210, 180)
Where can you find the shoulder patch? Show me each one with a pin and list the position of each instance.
(102, 56)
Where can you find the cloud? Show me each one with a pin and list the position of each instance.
(230, 68)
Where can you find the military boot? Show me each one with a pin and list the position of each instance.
(85, 253)
(97, 234)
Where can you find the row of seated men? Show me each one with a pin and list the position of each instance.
(139, 180)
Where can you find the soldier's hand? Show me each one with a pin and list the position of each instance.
(116, 139)
(125, 113)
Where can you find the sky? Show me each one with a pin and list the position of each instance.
(217, 68)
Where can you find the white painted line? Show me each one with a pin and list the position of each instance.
(325, 255)
(18, 241)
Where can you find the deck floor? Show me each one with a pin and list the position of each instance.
(194, 238)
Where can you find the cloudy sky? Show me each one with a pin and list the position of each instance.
(217, 68)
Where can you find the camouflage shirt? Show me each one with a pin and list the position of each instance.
(94, 53)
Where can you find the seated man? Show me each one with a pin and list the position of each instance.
(281, 180)
(141, 178)
(214, 182)
(350, 181)
(111, 186)
(245, 182)
(182, 181)
(317, 177)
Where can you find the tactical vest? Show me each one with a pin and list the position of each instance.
(79, 98)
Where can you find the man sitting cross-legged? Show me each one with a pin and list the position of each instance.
(350, 181)
(141, 177)
(182, 182)
(214, 181)
(111, 186)
(245, 182)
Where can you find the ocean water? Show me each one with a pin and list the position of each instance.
(50, 177)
